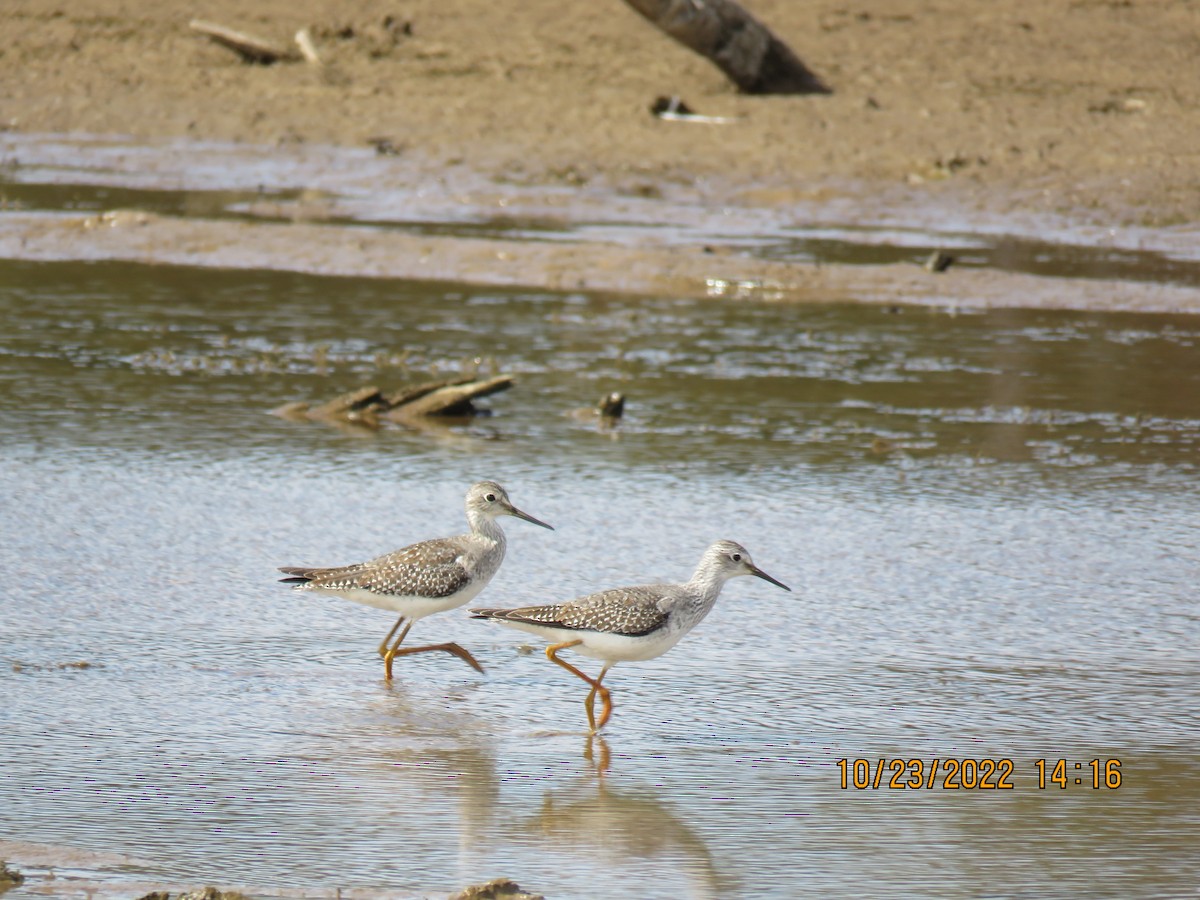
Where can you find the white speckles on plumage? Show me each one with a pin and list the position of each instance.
(635, 623)
(629, 624)
(428, 577)
(629, 611)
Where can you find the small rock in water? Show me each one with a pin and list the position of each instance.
(497, 889)
(606, 413)
(939, 261)
(611, 406)
(211, 893)
(208, 893)
(9, 877)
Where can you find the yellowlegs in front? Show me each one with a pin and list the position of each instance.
(632, 623)
(425, 578)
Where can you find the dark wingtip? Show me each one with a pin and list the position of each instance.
(296, 574)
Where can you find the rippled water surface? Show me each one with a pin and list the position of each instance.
(989, 522)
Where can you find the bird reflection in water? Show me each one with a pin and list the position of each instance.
(630, 828)
(603, 762)
(593, 818)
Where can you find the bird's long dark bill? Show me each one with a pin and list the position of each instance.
(755, 570)
(528, 518)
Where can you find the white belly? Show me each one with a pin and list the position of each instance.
(413, 607)
(609, 648)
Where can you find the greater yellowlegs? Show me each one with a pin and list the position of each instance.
(632, 623)
(425, 578)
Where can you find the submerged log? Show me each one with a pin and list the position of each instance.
(9, 877)
(451, 399)
(365, 398)
(367, 405)
(417, 391)
(737, 43)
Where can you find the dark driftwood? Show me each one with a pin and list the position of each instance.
(365, 406)
(452, 399)
(740, 46)
(417, 391)
(365, 398)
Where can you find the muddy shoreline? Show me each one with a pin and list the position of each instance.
(347, 212)
(1068, 122)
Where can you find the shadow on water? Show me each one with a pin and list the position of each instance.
(988, 520)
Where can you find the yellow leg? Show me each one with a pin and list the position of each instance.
(390, 653)
(590, 702)
(394, 651)
(383, 648)
(605, 699)
(456, 649)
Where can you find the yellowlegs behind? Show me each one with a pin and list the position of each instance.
(425, 578)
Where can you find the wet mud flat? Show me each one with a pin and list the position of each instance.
(71, 872)
(350, 211)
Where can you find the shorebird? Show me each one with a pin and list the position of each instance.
(424, 578)
(631, 623)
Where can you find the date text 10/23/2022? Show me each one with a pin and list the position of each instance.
(974, 774)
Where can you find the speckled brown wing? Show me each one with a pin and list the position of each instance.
(630, 611)
(428, 569)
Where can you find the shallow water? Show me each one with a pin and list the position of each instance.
(988, 520)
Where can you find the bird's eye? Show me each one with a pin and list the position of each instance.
(490, 498)
(737, 557)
